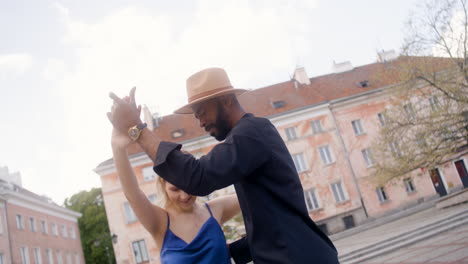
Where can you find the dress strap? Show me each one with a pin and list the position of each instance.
(168, 220)
(209, 210)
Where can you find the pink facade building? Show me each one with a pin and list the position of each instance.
(33, 229)
(328, 123)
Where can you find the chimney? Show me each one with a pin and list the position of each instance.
(342, 67)
(384, 56)
(301, 77)
(152, 119)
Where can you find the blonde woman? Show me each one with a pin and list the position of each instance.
(185, 230)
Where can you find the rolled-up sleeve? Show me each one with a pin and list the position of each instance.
(227, 163)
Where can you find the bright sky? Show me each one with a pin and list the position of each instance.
(60, 58)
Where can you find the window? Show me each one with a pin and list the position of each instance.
(77, 258)
(299, 162)
(325, 154)
(139, 251)
(408, 108)
(32, 224)
(37, 256)
(2, 259)
(291, 133)
(72, 233)
(311, 200)
(278, 104)
(381, 194)
(358, 130)
(152, 198)
(382, 119)
(19, 222)
(148, 173)
(434, 103)
(316, 126)
(368, 158)
(44, 227)
(1, 227)
(409, 185)
(129, 214)
(64, 231)
(59, 257)
(49, 257)
(69, 260)
(24, 255)
(54, 229)
(348, 221)
(338, 192)
(395, 149)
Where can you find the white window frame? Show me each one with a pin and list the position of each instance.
(140, 253)
(77, 258)
(300, 162)
(381, 194)
(19, 221)
(325, 154)
(37, 255)
(357, 127)
(68, 257)
(59, 257)
(32, 224)
(44, 228)
(382, 119)
(312, 199)
(49, 256)
(24, 252)
(291, 133)
(72, 233)
(395, 148)
(316, 126)
(64, 231)
(148, 174)
(338, 192)
(409, 185)
(130, 216)
(54, 229)
(368, 157)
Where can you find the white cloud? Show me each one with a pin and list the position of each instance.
(132, 47)
(12, 65)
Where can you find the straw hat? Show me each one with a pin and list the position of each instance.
(207, 84)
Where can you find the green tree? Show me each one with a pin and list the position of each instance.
(93, 225)
(427, 122)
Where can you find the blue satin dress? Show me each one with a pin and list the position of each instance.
(208, 246)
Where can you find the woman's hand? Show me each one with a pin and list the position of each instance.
(120, 140)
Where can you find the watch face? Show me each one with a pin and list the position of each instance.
(133, 133)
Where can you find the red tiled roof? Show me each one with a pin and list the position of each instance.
(321, 89)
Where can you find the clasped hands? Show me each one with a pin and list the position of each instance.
(123, 115)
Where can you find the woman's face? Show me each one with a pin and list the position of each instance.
(179, 198)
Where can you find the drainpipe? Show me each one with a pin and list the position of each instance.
(353, 174)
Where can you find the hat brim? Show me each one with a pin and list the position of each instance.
(187, 109)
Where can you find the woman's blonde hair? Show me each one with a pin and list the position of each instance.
(161, 195)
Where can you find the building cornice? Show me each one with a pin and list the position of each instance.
(19, 199)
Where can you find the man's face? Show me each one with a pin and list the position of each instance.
(213, 118)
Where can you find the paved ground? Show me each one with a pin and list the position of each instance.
(448, 247)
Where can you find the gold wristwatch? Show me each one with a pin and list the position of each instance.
(135, 131)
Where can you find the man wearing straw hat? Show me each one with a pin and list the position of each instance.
(252, 156)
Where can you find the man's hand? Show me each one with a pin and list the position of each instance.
(124, 113)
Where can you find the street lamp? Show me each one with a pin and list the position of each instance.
(97, 242)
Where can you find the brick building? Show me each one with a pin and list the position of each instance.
(33, 229)
(328, 123)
